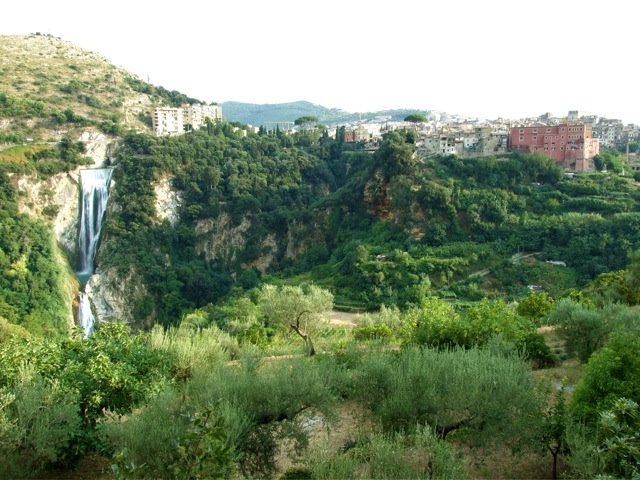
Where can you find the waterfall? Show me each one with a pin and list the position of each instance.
(85, 315)
(95, 193)
(94, 185)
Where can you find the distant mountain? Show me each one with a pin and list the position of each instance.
(261, 114)
(264, 114)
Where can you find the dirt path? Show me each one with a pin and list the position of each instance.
(344, 318)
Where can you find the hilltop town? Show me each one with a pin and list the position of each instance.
(442, 134)
(572, 141)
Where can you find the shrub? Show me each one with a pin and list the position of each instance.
(491, 395)
(438, 324)
(535, 306)
(585, 330)
(396, 455)
(39, 426)
(166, 437)
(253, 411)
(376, 331)
(192, 349)
(611, 373)
(611, 449)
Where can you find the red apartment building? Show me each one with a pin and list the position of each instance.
(570, 144)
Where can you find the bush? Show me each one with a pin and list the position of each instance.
(489, 395)
(611, 448)
(378, 331)
(535, 306)
(40, 425)
(193, 349)
(255, 409)
(413, 456)
(611, 373)
(585, 330)
(437, 324)
(166, 437)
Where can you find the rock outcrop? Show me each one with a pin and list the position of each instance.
(112, 295)
(54, 199)
(269, 248)
(168, 201)
(219, 239)
(98, 147)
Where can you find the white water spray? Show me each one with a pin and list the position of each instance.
(94, 186)
(85, 315)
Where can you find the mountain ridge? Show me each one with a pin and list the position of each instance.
(287, 112)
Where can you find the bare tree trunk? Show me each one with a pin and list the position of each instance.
(554, 452)
(305, 336)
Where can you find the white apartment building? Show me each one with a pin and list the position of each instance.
(168, 121)
(196, 115)
(176, 120)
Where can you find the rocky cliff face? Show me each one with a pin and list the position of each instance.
(219, 239)
(98, 147)
(376, 196)
(112, 294)
(269, 247)
(168, 201)
(55, 200)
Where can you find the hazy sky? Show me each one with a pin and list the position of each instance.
(485, 58)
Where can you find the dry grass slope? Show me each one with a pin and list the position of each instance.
(63, 76)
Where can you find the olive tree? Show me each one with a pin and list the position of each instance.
(492, 396)
(300, 309)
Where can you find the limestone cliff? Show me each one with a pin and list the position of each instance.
(99, 147)
(269, 248)
(55, 200)
(113, 294)
(376, 196)
(218, 239)
(167, 201)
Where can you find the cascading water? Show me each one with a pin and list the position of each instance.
(94, 186)
(85, 315)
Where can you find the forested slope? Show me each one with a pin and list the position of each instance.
(377, 228)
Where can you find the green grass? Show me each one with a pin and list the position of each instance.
(19, 154)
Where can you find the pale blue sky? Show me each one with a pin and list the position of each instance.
(486, 58)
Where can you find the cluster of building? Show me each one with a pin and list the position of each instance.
(571, 145)
(178, 120)
(572, 141)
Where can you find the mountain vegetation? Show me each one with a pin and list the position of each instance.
(488, 323)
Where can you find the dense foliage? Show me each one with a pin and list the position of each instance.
(382, 228)
(54, 391)
(30, 277)
(273, 231)
(438, 324)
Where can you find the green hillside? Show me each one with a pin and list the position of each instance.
(489, 319)
(49, 86)
(272, 114)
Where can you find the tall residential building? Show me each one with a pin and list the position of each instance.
(168, 121)
(570, 144)
(175, 121)
(196, 115)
